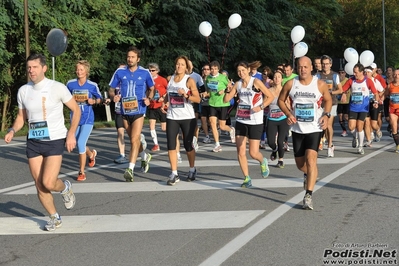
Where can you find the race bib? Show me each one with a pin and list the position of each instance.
(130, 105)
(304, 112)
(81, 96)
(394, 98)
(38, 130)
(357, 97)
(156, 95)
(175, 100)
(213, 86)
(276, 113)
(243, 112)
(118, 107)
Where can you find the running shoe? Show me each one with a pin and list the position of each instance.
(307, 202)
(207, 139)
(155, 148)
(92, 159)
(179, 159)
(217, 148)
(273, 156)
(191, 175)
(355, 142)
(330, 151)
(173, 179)
(247, 182)
(195, 144)
(68, 197)
(344, 134)
(145, 164)
(233, 135)
(397, 149)
(81, 176)
(367, 144)
(128, 175)
(121, 159)
(280, 164)
(372, 136)
(53, 223)
(262, 146)
(305, 181)
(143, 142)
(360, 150)
(286, 147)
(264, 168)
(378, 136)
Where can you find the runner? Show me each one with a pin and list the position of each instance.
(136, 91)
(277, 127)
(360, 87)
(86, 94)
(253, 98)
(307, 120)
(41, 103)
(154, 109)
(393, 93)
(182, 92)
(335, 88)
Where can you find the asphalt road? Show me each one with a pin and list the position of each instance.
(211, 221)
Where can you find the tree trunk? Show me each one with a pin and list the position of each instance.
(4, 112)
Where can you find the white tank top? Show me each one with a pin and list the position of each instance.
(249, 98)
(179, 107)
(306, 106)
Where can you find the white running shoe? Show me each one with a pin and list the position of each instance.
(233, 135)
(207, 139)
(330, 151)
(195, 143)
(217, 148)
(68, 197)
(143, 142)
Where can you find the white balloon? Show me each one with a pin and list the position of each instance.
(349, 67)
(205, 28)
(234, 21)
(351, 55)
(300, 49)
(366, 58)
(297, 34)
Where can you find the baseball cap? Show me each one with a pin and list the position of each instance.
(373, 65)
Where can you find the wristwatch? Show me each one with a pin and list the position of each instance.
(11, 129)
(327, 114)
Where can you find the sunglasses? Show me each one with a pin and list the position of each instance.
(153, 70)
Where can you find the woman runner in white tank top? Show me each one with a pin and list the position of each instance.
(253, 98)
(182, 92)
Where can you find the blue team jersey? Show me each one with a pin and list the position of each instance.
(133, 87)
(360, 94)
(81, 94)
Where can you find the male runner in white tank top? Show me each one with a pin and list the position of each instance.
(307, 121)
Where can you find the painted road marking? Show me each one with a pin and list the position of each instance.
(242, 239)
(130, 222)
(115, 187)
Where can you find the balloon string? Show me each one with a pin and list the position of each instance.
(225, 45)
(209, 54)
